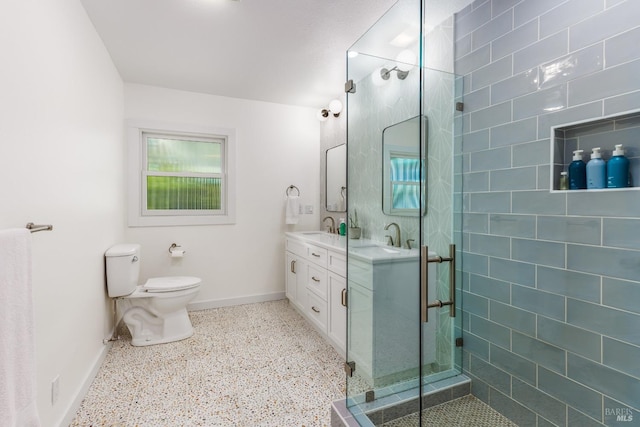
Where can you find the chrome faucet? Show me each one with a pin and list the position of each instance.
(397, 241)
(332, 227)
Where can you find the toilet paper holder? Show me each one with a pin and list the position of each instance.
(176, 248)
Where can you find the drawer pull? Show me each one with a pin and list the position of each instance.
(343, 299)
(315, 279)
(315, 309)
(293, 266)
(315, 254)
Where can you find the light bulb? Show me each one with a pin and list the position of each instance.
(406, 60)
(335, 106)
(322, 115)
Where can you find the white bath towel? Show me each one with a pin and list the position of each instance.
(292, 210)
(17, 338)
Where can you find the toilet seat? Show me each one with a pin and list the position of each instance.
(170, 284)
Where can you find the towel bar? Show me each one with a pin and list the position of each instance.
(40, 227)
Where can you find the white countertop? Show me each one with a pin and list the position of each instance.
(333, 242)
(364, 249)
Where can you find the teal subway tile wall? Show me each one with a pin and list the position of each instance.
(551, 285)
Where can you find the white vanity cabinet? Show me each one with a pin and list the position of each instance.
(384, 295)
(315, 282)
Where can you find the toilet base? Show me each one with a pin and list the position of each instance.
(149, 329)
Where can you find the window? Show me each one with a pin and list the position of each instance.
(180, 175)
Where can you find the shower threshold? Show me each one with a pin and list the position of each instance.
(398, 401)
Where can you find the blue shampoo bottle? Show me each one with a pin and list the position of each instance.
(577, 172)
(618, 169)
(596, 170)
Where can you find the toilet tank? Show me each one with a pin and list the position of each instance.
(123, 269)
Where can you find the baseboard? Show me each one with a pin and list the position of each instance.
(204, 305)
(84, 388)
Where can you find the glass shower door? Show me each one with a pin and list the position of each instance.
(441, 234)
(400, 151)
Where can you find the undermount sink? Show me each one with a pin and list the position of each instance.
(318, 233)
(334, 241)
(375, 253)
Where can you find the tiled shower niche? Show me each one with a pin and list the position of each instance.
(604, 133)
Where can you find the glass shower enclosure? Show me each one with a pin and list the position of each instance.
(404, 180)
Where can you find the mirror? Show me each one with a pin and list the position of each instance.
(404, 150)
(336, 179)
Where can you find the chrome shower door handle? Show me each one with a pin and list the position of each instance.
(425, 305)
(424, 283)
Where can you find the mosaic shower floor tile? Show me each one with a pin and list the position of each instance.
(464, 412)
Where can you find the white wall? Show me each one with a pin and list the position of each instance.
(277, 145)
(333, 132)
(61, 162)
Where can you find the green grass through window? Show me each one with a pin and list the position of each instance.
(170, 192)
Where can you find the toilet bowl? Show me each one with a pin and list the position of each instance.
(155, 312)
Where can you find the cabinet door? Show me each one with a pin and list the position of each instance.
(296, 279)
(290, 275)
(360, 335)
(337, 328)
(301, 272)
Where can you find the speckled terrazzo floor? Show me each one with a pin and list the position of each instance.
(250, 366)
(464, 412)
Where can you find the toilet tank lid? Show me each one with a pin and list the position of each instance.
(122, 249)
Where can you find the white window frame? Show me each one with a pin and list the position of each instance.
(138, 215)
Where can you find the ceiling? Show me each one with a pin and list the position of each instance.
(282, 51)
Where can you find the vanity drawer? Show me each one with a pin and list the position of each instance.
(317, 255)
(317, 311)
(297, 247)
(337, 263)
(317, 281)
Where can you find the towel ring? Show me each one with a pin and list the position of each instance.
(292, 187)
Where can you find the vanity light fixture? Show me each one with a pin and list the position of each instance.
(335, 107)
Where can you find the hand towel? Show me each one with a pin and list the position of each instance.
(17, 338)
(292, 209)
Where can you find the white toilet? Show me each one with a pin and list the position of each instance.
(155, 312)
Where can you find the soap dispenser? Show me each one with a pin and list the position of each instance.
(577, 172)
(596, 170)
(618, 169)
